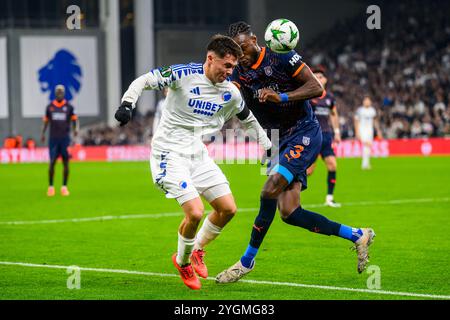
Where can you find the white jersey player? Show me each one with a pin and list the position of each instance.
(365, 121)
(199, 101)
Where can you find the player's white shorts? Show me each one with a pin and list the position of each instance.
(366, 135)
(184, 178)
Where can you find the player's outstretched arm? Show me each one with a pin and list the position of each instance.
(310, 87)
(253, 128)
(155, 79)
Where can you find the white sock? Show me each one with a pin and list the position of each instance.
(208, 232)
(185, 247)
(329, 198)
(366, 156)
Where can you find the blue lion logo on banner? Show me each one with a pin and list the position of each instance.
(61, 69)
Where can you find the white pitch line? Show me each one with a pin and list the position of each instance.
(257, 282)
(175, 214)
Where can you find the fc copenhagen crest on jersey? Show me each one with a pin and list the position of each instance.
(183, 184)
(306, 141)
(226, 96)
(268, 71)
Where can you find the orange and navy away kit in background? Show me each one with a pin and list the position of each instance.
(59, 114)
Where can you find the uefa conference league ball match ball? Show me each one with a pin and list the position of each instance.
(281, 35)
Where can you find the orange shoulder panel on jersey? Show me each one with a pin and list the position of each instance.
(59, 104)
(236, 84)
(323, 94)
(260, 58)
(298, 70)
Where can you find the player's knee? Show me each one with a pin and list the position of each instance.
(270, 193)
(273, 188)
(331, 163)
(195, 213)
(284, 213)
(195, 216)
(229, 211)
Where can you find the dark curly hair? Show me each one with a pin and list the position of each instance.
(239, 27)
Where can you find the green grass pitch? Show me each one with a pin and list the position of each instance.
(406, 201)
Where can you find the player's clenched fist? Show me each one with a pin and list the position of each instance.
(267, 94)
(123, 114)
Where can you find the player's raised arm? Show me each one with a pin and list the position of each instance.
(155, 79)
(310, 87)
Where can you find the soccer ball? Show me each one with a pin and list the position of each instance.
(281, 35)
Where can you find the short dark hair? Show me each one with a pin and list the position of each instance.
(239, 27)
(223, 45)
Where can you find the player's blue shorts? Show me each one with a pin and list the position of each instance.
(298, 151)
(327, 142)
(58, 147)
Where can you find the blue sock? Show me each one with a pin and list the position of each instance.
(350, 233)
(249, 256)
(262, 223)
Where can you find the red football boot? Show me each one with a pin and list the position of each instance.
(198, 263)
(187, 274)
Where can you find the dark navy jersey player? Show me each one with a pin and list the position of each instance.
(279, 73)
(277, 88)
(323, 107)
(326, 112)
(60, 116)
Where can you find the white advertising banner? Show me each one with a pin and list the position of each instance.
(3, 80)
(46, 61)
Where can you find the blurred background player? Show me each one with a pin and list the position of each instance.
(365, 120)
(326, 112)
(277, 88)
(199, 101)
(60, 115)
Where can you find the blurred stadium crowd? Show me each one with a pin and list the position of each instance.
(404, 67)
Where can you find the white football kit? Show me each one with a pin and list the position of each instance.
(366, 117)
(194, 107)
